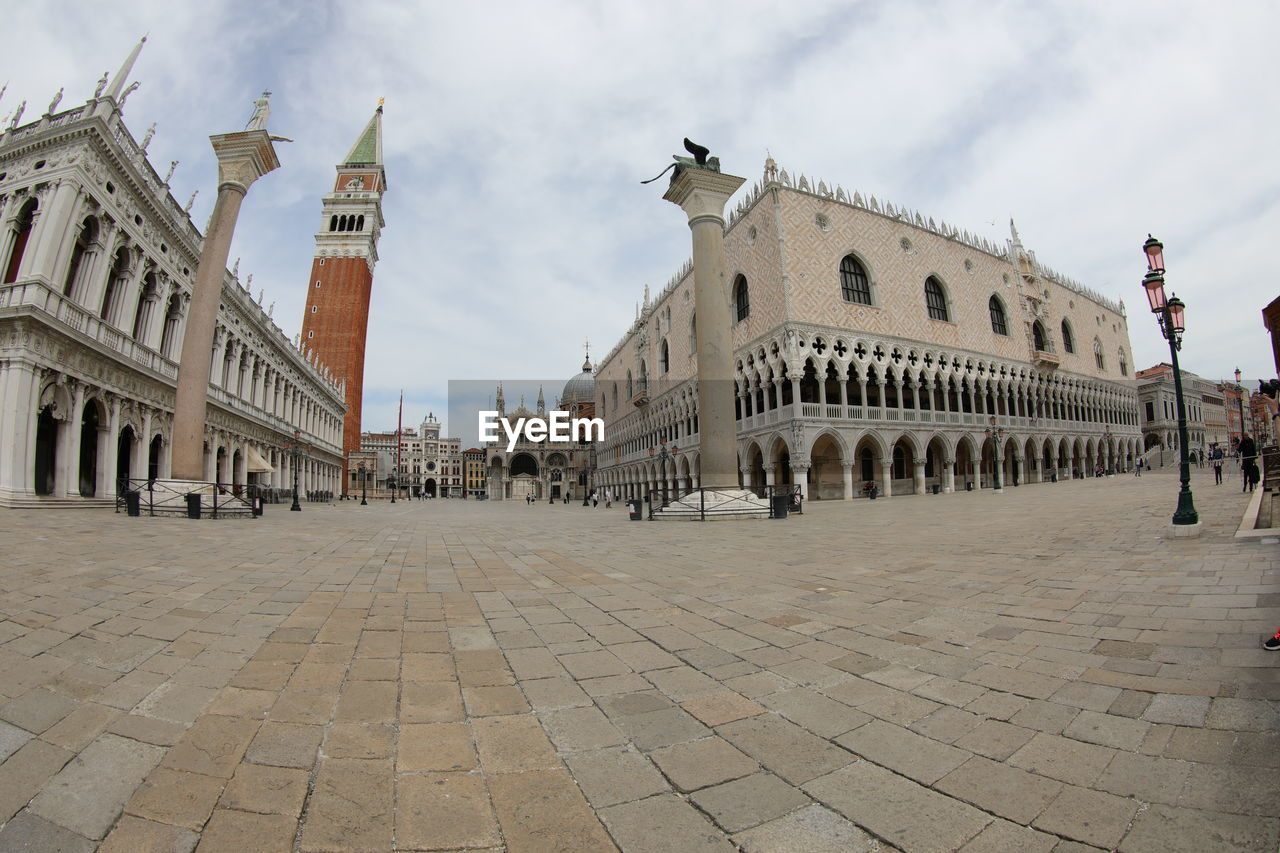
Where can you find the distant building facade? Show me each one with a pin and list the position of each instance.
(543, 470)
(1205, 406)
(422, 462)
(473, 467)
(875, 346)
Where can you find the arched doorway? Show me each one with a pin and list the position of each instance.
(866, 456)
(556, 462)
(755, 463)
(965, 473)
(935, 454)
(904, 465)
(89, 425)
(153, 459)
(524, 476)
(781, 462)
(987, 480)
(429, 487)
(124, 459)
(826, 476)
(220, 469)
(46, 451)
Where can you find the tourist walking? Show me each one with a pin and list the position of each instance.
(1137, 469)
(595, 499)
(1217, 466)
(1248, 463)
(608, 499)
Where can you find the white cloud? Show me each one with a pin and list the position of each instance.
(517, 133)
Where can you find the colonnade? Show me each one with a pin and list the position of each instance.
(843, 465)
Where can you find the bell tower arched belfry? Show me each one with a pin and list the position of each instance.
(336, 320)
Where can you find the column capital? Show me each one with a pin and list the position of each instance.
(702, 193)
(243, 157)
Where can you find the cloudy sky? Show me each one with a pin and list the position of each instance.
(516, 134)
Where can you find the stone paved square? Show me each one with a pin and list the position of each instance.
(1038, 670)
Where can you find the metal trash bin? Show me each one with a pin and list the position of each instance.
(635, 510)
(937, 489)
(1054, 477)
(968, 487)
(193, 505)
(133, 503)
(780, 504)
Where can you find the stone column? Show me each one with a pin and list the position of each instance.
(702, 194)
(949, 476)
(18, 415)
(68, 459)
(57, 208)
(918, 474)
(242, 158)
(112, 456)
(800, 473)
(846, 473)
(886, 476)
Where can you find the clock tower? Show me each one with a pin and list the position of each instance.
(336, 320)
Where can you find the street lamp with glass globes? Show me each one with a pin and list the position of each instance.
(296, 449)
(1171, 316)
(364, 478)
(1240, 400)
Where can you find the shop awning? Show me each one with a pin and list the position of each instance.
(258, 465)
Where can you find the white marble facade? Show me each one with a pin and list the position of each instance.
(97, 262)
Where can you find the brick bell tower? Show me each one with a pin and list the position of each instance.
(336, 321)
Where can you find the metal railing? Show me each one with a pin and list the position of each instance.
(159, 497)
(735, 501)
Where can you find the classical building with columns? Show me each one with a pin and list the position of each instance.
(98, 261)
(1158, 405)
(875, 347)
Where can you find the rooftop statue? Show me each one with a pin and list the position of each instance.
(699, 160)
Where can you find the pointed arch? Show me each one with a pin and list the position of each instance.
(999, 321)
(741, 298)
(855, 284)
(935, 299)
(1038, 337)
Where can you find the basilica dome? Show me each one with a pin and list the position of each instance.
(581, 388)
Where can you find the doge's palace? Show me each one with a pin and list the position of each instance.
(876, 350)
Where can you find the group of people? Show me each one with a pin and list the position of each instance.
(1247, 453)
(530, 500)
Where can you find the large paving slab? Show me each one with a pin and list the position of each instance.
(1037, 670)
